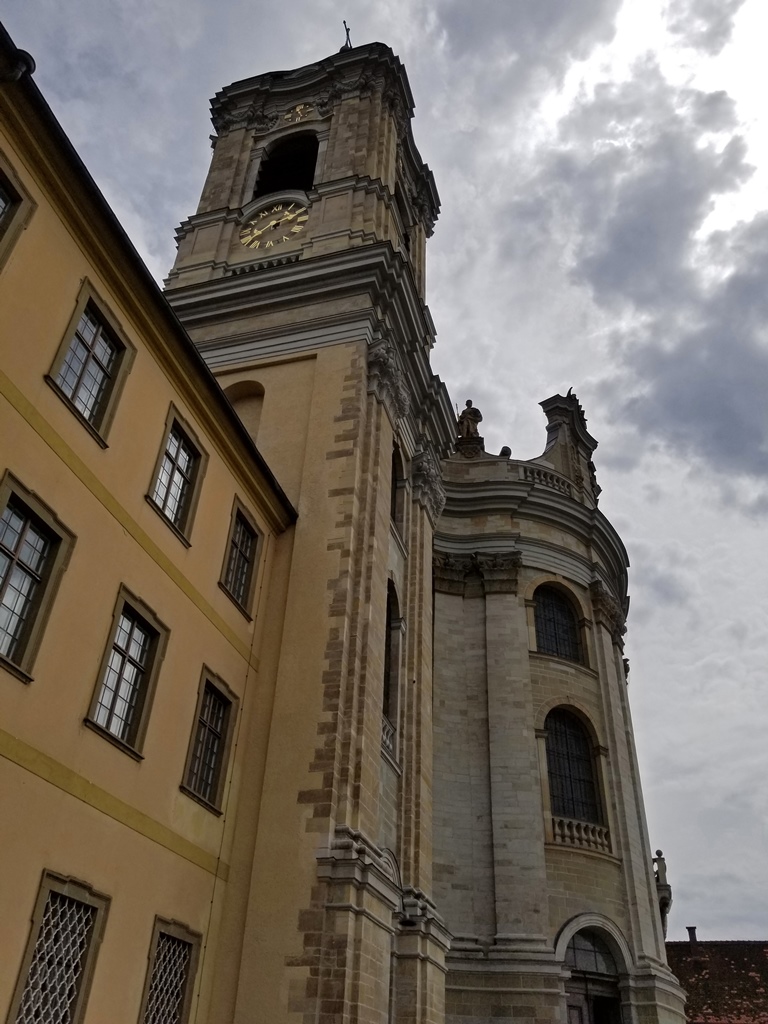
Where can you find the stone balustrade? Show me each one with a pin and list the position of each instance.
(581, 834)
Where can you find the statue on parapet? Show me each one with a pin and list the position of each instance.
(469, 418)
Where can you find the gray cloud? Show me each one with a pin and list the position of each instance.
(703, 24)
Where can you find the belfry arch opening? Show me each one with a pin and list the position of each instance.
(247, 398)
(289, 164)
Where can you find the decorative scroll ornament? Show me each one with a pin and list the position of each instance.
(387, 381)
(607, 612)
(427, 484)
(497, 572)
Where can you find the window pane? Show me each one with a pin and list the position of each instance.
(208, 748)
(237, 578)
(125, 677)
(570, 767)
(557, 628)
(25, 548)
(85, 374)
(172, 488)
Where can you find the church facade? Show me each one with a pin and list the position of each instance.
(313, 710)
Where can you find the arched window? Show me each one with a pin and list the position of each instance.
(289, 164)
(592, 993)
(571, 769)
(557, 627)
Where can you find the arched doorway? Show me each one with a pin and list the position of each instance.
(592, 993)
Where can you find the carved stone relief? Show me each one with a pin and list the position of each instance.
(607, 612)
(387, 381)
(427, 484)
(498, 572)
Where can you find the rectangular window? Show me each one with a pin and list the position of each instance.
(34, 548)
(174, 481)
(123, 696)
(16, 207)
(92, 362)
(242, 549)
(88, 369)
(25, 547)
(208, 754)
(178, 475)
(171, 976)
(67, 926)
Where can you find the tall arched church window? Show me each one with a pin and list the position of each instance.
(290, 164)
(557, 626)
(571, 769)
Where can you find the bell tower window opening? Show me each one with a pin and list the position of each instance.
(557, 626)
(289, 164)
(571, 769)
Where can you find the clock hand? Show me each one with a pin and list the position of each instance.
(260, 231)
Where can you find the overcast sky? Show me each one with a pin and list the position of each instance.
(603, 172)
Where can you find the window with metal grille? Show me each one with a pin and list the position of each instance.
(86, 375)
(25, 551)
(206, 762)
(57, 962)
(571, 768)
(171, 975)
(55, 974)
(241, 558)
(557, 627)
(176, 476)
(118, 705)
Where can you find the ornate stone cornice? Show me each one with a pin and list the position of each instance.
(387, 381)
(498, 572)
(427, 484)
(355, 859)
(607, 612)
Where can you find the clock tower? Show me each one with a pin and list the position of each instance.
(301, 279)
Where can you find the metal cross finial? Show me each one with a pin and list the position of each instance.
(347, 44)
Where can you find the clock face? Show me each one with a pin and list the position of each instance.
(274, 225)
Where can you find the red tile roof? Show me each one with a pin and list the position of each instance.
(726, 982)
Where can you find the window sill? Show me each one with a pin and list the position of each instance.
(171, 526)
(235, 602)
(114, 740)
(93, 431)
(201, 800)
(15, 670)
(563, 661)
